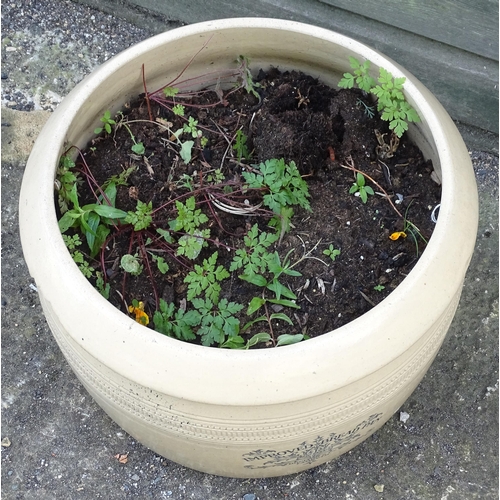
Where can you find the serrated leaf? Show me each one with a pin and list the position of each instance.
(170, 91)
(399, 81)
(190, 245)
(412, 115)
(221, 273)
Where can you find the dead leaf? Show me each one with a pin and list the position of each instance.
(6, 442)
(133, 192)
(321, 285)
(149, 167)
(165, 123)
(122, 457)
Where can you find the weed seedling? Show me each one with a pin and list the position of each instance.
(284, 187)
(191, 127)
(103, 288)
(189, 218)
(142, 217)
(369, 110)
(361, 77)
(162, 265)
(240, 146)
(178, 110)
(246, 76)
(177, 323)
(206, 279)
(66, 178)
(72, 242)
(91, 219)
(216, 177)
(107, 122)
(217, 320)
(360, 187)
(331, 252)
(138, 147)
(389, 92)
(254, 258)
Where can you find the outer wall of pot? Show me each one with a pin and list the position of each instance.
(258, 413)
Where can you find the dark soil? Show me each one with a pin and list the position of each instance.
(322, 130)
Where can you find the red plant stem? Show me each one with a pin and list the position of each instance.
(185, 67)
(148, 267)
(270, 324)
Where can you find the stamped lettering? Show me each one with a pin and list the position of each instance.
(309, 452)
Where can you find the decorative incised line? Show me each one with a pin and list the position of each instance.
(159, 409)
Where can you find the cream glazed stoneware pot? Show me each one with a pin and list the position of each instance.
(265, 412)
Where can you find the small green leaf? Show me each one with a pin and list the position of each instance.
(282, 317)
(165, 234)
(163, 266)
(178, 110)
(257, 339)
(255, 279)
(109, 212)
(236, 342)
(287, 339)
(284, 302)
(255, 304)
(170, 91)
(66, 221)
(251, 323)
(138, 148)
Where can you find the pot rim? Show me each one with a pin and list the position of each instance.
(373, 339)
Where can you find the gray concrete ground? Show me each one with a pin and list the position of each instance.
(58, 444)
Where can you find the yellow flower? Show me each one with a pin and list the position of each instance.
(397, 235)
(140, 316)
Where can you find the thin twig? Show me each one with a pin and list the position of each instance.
(354, 169)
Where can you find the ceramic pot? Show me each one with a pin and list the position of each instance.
(263, 412)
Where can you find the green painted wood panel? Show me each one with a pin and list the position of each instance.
(464, 82)
(470, 25)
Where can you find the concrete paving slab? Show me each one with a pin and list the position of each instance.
(56, 443)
